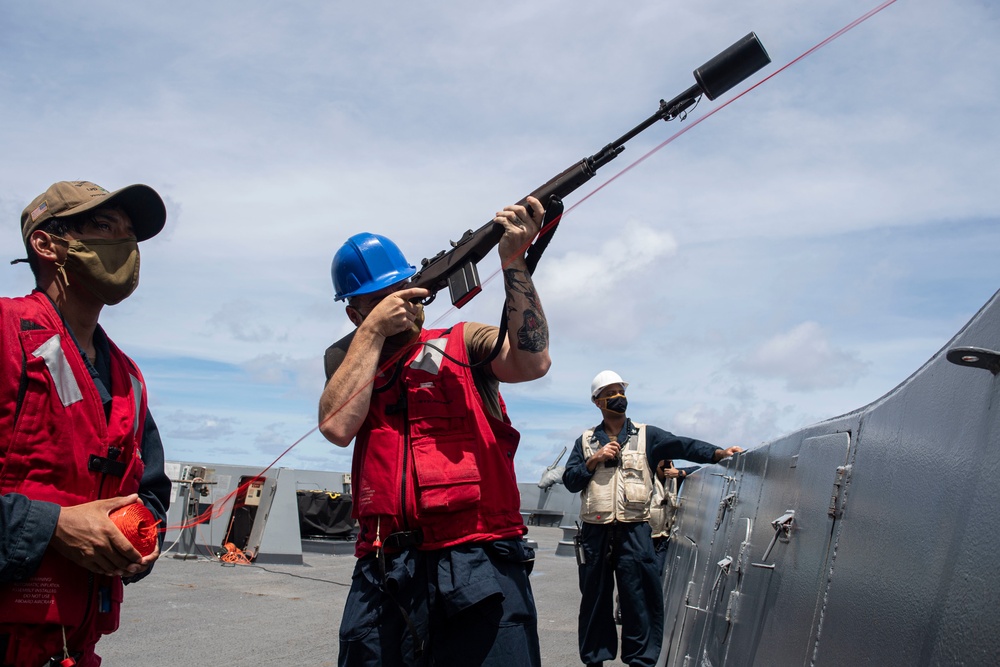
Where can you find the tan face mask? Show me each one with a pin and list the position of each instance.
(109, 268)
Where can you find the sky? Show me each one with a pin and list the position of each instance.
(791, 257)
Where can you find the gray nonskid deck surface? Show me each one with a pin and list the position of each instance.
(199, 612)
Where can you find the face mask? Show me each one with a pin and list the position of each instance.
(109, 268)
(617, 403)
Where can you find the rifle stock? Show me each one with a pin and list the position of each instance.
(456, 268)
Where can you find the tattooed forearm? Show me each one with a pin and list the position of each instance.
(519, 282)
(519, 287)
(533, 334)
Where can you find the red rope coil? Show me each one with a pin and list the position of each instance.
(138, 525)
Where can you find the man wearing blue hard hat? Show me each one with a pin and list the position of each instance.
(442, 571)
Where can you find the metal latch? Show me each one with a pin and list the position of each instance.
(782, 529)
(724, 504)
(687, 597)
(724, 565)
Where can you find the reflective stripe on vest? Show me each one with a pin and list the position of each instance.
(137, 390)
(52, 354)
(430, 357)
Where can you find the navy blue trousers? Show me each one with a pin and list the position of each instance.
(462, 606)
(622, 552)
(660, 548)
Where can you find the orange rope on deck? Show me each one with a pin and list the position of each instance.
(234, 555)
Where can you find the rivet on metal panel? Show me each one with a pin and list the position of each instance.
(975, 357)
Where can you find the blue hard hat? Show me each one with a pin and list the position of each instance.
(367, 263)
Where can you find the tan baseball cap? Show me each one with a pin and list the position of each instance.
(141, 203)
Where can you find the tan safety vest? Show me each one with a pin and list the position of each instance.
(663, 506)
(621, 493)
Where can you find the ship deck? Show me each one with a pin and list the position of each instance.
(202, 612)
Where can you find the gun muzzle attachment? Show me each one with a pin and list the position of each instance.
(731, 66)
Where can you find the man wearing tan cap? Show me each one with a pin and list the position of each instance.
(76, 440)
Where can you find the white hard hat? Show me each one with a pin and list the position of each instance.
(603, 379)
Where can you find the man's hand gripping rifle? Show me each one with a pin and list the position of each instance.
(456, 268)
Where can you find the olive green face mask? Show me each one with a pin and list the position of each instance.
(109, 268)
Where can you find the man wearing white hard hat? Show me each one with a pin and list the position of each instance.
(612, 467)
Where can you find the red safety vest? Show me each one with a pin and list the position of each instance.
(56, 445)
(430, 458)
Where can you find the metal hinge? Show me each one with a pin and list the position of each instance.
(734, 599)
(836, 509)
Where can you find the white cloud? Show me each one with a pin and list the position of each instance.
(623, 253)
(805, 359)
(188, 426)
(593, 295)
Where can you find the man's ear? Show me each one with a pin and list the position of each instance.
(353, 315)
(43, 246)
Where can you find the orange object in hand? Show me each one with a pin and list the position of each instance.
(138, 525)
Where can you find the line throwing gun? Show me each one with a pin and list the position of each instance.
(456, 268)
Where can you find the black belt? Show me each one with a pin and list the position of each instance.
(404, 539)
